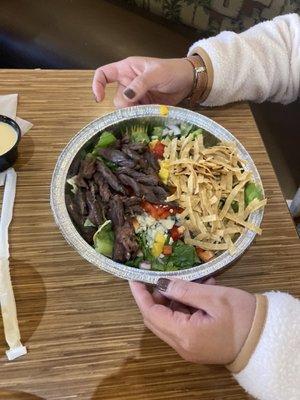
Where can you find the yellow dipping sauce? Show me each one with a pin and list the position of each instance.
(8, 137)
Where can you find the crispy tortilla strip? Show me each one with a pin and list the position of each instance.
(207, 245)
(253, 206)
(210, 218)
(246, 224)
(207, 181)
(232, 196)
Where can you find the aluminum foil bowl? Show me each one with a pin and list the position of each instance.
(70, 233)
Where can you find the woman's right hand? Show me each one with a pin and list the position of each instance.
(144, 80)
(205, 324)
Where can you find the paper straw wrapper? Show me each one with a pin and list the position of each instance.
(7, 299)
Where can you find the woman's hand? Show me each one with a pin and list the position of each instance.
(205, 324)
(144, 80)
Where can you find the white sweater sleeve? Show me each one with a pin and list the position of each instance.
(262, 63)
(273, 371)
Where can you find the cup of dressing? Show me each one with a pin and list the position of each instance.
(10, 135)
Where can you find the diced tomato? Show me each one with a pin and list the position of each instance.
(204, 255)
(199, 251)
(158, 149)
(160, 211)
(167, 250)
(175, 233)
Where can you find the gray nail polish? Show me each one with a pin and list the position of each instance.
(162, 284)
(129, 93)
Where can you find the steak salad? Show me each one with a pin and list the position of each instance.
(161, 197)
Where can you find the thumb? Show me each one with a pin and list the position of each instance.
(140, 86)
(189, 293)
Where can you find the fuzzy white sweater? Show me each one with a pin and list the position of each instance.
(261, 64)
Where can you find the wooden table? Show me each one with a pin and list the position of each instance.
(84, 334)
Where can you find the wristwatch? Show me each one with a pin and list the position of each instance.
(200, 80)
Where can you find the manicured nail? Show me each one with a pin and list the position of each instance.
(162, 284)
(129, 93)
(96, 100)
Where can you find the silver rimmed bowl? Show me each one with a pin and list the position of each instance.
(140, 113)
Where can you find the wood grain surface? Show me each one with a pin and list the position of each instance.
(84, 334)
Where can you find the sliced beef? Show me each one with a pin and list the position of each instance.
(148, 194)
(86, 232)
(117, 157)
(152, 160)
(109, 177)
(118, 144)
(137, 147)
(126, 149)
(86, 171)
(74, 168)
(150, 179)
(74, 212)
(126, 245)
(134, 210)
(95, 210)
(116, 212)
(103, 188)
(131, 201)
(125, 138)
(93, 189)
(119, 251)
(87, 167)
(80, 181)
(132, 206)
(160, 193)
(80, 200)
(128, 181)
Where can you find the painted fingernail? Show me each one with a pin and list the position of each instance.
(96, 100)
(129, 93)
(162, 284)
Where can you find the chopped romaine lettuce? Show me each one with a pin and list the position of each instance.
(88, 223)
(144, 246)
(197, 133)
(106, 139)
(104, 239)
(252, 191)
(235, 206)
(185, 128)
(72, 182)
(135, 263)
(138, 134)
(157, 132)
(183, 255)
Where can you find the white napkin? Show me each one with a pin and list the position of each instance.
(8, 107)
